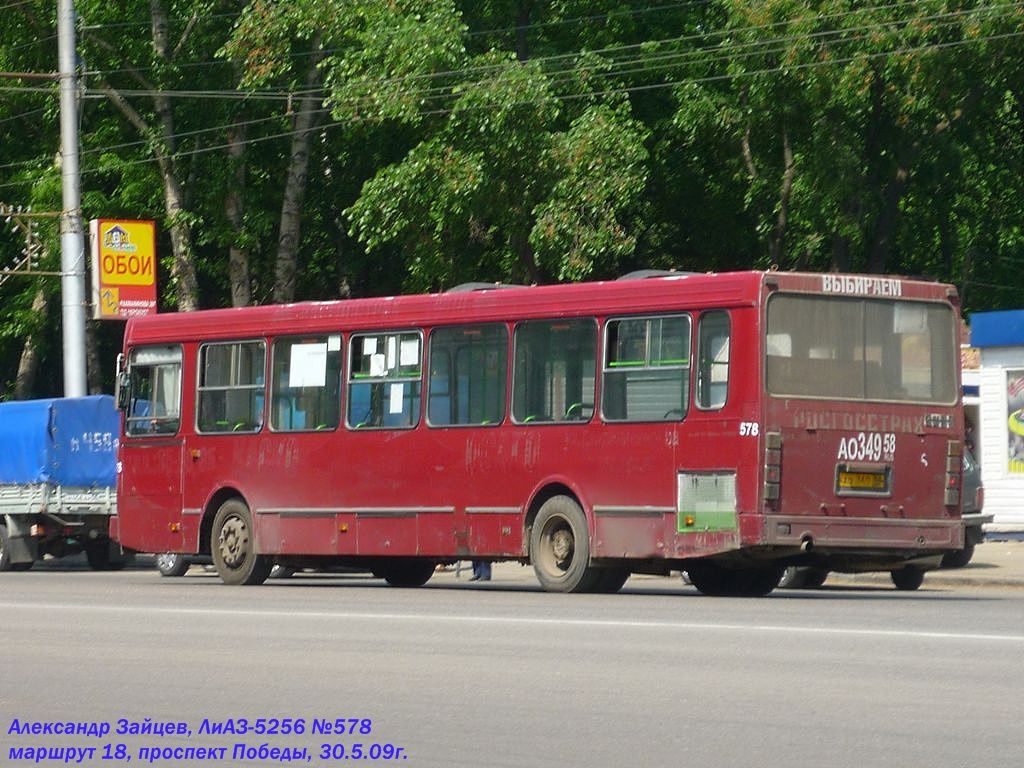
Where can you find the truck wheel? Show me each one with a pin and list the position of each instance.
(907, 579)
(172, 564)
(105, 555)
(560, 547)
(958, 558)
(5, 555)
(234, 546)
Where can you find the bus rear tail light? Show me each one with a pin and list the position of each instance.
(772, 465)
(979, 498)
(954, 467)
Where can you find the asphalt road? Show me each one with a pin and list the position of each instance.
(460, 674)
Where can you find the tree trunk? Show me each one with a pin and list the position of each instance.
(522, 248)
(523, 24)
(775, 247)
(93, 366)
(234, 209)
(183, 269)
(885, 225)
(28, 364)
(295, 186)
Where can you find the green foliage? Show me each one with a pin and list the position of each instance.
(601, 165)
(520, 140)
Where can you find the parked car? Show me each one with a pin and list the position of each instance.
(972, 493)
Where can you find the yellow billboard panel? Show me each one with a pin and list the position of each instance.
(123, 267)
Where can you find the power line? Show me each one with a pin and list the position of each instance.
(757, 49)
(844, 36)
(645, 62)
(599, 51)
(625, 90)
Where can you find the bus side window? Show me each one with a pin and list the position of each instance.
(646, 369)
(467, 375)
(230, 397)
(554, 371)
(307, 384)
(713, 357)
(384, 380)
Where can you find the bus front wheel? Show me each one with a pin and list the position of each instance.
(560, 547)
(234, 546)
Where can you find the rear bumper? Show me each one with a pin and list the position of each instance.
(870, 533)
(972, 519)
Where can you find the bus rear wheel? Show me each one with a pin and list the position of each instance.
(907, 579)
(560, 547)
(717, 581)
(234, 546)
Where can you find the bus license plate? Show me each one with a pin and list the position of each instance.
(862, 481)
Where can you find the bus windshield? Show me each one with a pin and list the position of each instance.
(860, 349)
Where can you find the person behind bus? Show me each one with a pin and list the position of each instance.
(481, 571)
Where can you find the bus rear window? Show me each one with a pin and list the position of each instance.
(860, 349)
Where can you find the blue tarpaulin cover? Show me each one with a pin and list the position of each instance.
(65, 441)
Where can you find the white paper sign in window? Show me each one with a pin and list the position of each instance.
(308, 365)
(377, 365)
(396, 398)
(410, 352)
(391, 352)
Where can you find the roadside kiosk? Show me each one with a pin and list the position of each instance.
(999, 438)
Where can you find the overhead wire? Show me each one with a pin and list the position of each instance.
(613, 91)
(466, 71)
(757, 46)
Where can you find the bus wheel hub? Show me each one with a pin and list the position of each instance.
(233, 541)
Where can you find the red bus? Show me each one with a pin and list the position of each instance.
(725, 425)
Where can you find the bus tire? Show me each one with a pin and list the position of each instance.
(716, 581)
(958, 558)
(234, 546)
(560, 547)
(803, 577)
(907, 579)
(414, 572)
(171, 564)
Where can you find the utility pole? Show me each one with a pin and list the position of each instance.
(72, 241)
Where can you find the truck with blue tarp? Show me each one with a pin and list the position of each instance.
(58, 470)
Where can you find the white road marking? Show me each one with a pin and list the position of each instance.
(522, 620)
